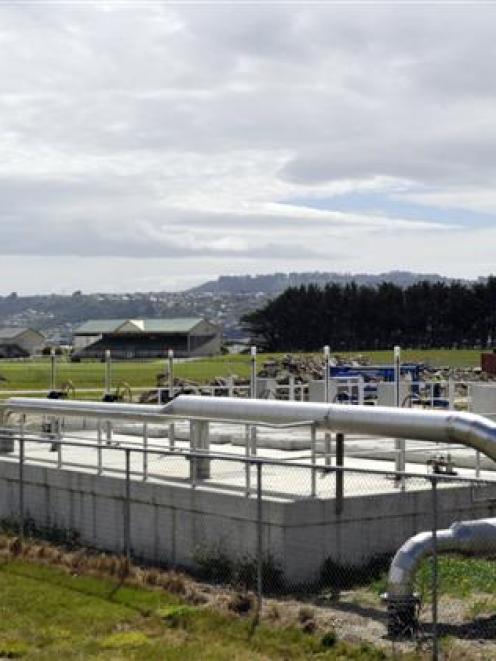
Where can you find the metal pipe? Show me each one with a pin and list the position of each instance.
(468, 429)
(463, 428)
(114, 410)
(477, 536)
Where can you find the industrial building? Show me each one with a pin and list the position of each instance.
(146, 338)
(20, 342)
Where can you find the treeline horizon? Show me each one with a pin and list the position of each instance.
(357, 317)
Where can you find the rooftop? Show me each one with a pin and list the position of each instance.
(177, 325)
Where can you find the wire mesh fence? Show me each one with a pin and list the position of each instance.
(372, 550)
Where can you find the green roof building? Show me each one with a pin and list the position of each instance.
(146, 338)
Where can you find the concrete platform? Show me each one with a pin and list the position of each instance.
(175, 522)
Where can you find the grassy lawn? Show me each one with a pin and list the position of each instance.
(36, 374)
(47, 613)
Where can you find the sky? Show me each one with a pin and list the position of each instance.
(150, 146)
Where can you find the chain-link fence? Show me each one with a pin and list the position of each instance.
(369, 552)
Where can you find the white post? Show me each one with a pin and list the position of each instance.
(230, 386)
(313, 450)
(108, 389)
(327, 435)
(253, 373)
(53, 369)
(145, 451)
(451, 391)
(108, 372)
(172, 430)
(326, 372)
(291, 393)
(399, 442)
(253, 394)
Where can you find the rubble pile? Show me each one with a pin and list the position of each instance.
(303, 368)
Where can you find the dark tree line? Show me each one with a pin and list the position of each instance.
(353, 317)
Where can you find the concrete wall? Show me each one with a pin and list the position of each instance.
(172, 524)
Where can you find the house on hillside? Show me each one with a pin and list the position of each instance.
(146, 338)
(20, 342)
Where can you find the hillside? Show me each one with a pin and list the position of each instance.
(275, 283)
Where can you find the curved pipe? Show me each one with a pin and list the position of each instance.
(468, 429)
(477, 536)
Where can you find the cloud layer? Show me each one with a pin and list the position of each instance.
(166, 143)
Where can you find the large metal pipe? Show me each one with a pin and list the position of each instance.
(468, 429)
(474, 431)
(477, 536)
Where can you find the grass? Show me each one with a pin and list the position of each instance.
(35, 374)
(48, 613)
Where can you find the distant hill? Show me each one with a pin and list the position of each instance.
(275, 283)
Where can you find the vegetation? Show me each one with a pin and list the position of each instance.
(352, 317)
(47, 612)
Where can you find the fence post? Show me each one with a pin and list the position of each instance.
(127, 510)
(259, 542)
(99, 468)
(145, 451)
(21, 478)
(313, 450)
(339, 473)
(247, 463)
(435, 646)
(172, 429)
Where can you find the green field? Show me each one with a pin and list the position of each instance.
(35, 374)
(48, 613)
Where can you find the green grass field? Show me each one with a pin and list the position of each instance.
(48, 614)
(35, 374)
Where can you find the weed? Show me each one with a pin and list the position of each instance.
(329, 639)
(13, 649)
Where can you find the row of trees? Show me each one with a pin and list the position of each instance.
(353, 317)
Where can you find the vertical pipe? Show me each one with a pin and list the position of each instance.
(127, 510)
(477, 464)
(339, 473)
(53, 369)
(21, 477)
(99, 467)
(172, 430)
(230, 386)
(259, 543)
(313, 450)
(145, 451)
(435, 650)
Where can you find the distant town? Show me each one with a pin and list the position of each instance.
(222, 301)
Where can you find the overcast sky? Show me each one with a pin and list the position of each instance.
(151, 146)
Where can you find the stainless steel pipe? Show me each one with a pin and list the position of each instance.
(468, 429)
(103, 410)
(477, 536)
